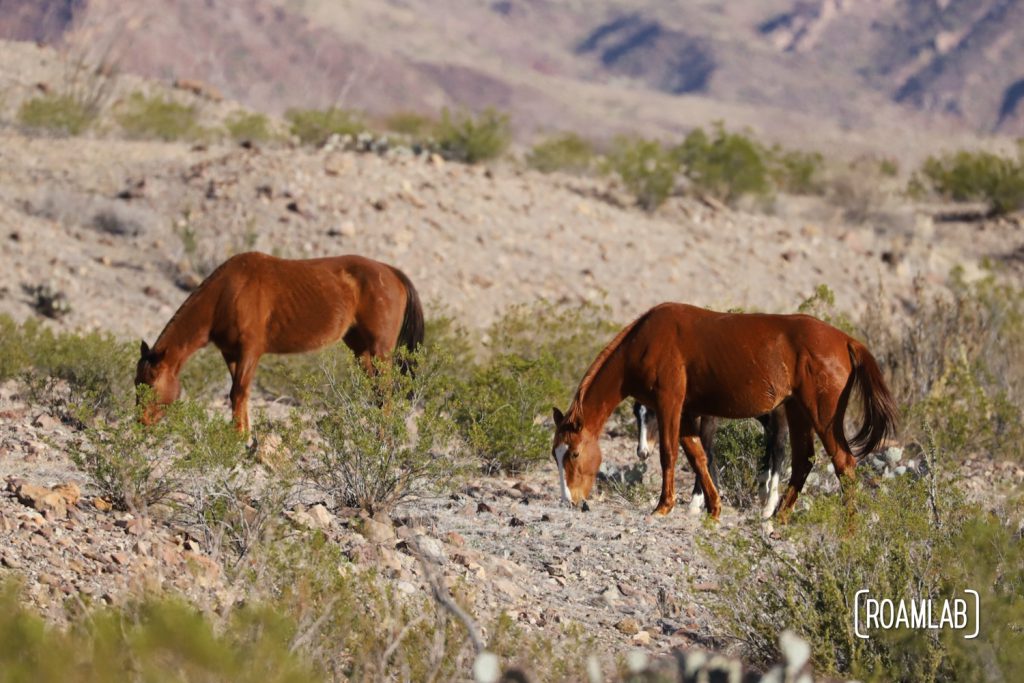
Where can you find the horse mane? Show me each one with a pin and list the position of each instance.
(575, 411)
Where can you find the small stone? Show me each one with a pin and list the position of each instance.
(101, 504)
(375, 531)
(642, 638)
(628, 626)
(486, 668)
(321, 517)
(120, 558)
(893, 454)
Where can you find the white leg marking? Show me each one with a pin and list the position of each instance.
(642, 450)
(763, 487)
(696, 503)
(773, 497)
(560, 458)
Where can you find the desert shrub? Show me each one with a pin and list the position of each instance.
(724, 165)
(383, 436)
(55, 113)
(822, 305)
(567, 152)
(977, 176)
(795, 171)
(896, 541)
(136, 466)
(160, 118)
(158, 639)
(416, 126)
(499, 411)
(471, 139)
(78, 372)
(571, 335)
(738, 447)
(248, 126)
(647, 169)
(954, 368)
(315, 126)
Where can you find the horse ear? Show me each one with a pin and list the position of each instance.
(557, 414)
(143, 349)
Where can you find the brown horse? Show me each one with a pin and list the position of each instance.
(769, 466)
(254, 303)
(686, 362)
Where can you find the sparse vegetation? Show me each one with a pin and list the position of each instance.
(647, 169)
(54, 113)
(568, 153)
(158, 117)
(461, 136)
(976, 176)
(728, 165)
(315, 126)
(245, 126)
(417, 127)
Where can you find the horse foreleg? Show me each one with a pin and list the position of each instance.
(668, 439)
(708, 428)
(242, 373)
(801, 440)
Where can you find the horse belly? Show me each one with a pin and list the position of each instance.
(738, 391)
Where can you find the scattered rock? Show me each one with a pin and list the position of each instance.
(628, 626)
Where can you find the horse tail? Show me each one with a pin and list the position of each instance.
(412, 332)
(880, 412)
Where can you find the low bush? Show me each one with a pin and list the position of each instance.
(568, 153)
(160, 118)
(795, 171)
(499, 409)
(245, 126)
(738, 446)
(417, 127)
(381, 437)
(977, 176)
(471, 139)
(898, 541)
(158, 639)
(54, 113)
(725, 165)
(647, 169)
(315, 126)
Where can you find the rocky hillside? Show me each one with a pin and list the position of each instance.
(784, 67)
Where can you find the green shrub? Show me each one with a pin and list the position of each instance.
(315, 126)
(796, 172)
(159, 639)
(62, 114)
(382, 437)
(499, 409)
(136, 466)
(738, 448)
(726, 165)
(472, 139)
(977, 176)
(248, 126)
(569, 334)
(567, 152)
(822, 305)
(647, 169)
(411, 124)
(896, 541)
(159, 118)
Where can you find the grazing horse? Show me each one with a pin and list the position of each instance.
(254, 303)
(770, 465)
(685, 362)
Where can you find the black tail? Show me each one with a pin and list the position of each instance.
(411, 334)
(880, 411)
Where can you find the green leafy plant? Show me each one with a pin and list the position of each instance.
(248, 126)
(315, 126)
(383, 436)
(647, 169)
(568, 152)
(471, 139)
(730, 165)
(55, 113)
(160, 118)
(977, 176)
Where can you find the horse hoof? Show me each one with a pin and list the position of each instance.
(661, 511)
(696, 505)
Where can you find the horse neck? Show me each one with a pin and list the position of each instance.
(603, 393)
(188, 329)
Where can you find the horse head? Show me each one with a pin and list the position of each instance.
(577, 456)
(155, 373)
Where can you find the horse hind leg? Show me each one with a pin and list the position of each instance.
(770, 469)
(801, 439)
